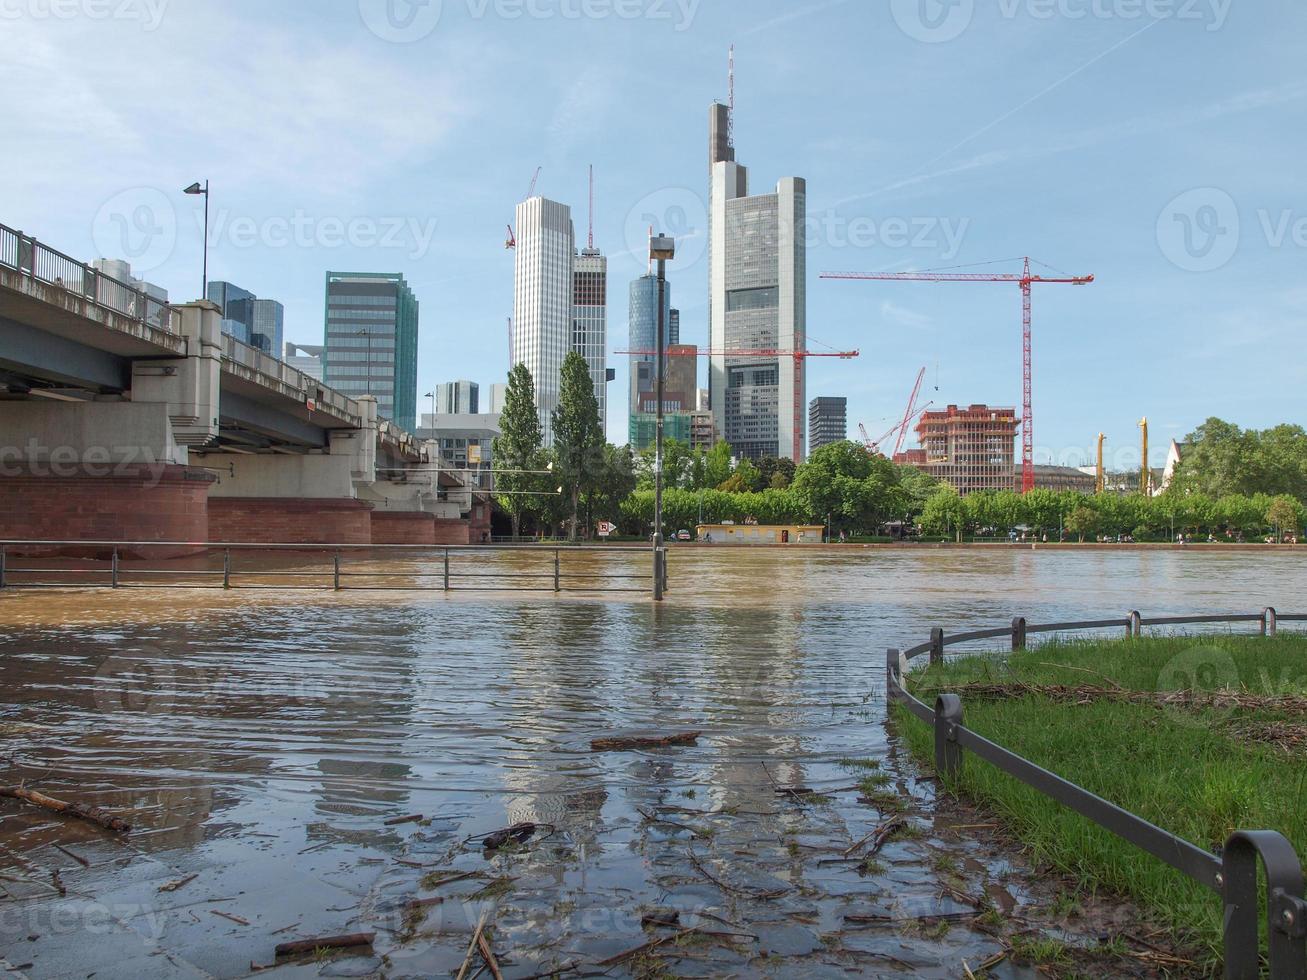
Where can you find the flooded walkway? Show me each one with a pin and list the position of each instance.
(260, 743)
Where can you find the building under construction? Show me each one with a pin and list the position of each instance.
(971, 449)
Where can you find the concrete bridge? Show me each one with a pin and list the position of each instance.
(125, 418)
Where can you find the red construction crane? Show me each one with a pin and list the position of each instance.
(511, 241)
(1026, 281)
(907, 416)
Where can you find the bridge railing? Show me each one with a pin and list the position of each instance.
(292, 380)
(47, 265)
(1232, 873)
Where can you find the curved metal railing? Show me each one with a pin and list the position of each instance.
(1232, 874)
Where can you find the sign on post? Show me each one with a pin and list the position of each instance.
(606, 529)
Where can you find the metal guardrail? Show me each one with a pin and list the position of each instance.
(114, 568)
(28, 256)
(294, 383)
(1232, 874)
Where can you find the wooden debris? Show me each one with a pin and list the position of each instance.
(172, 886)
(301, 946)
(661, 919)
(227, 915)
(423, 903)
(652, 742)
(76, 857)
(57, 882)
(646, 947)
(519, 833)
(411, 818)
(488, 955)
(732, 889)
(92, 814)
(883, 834)
(472, 946)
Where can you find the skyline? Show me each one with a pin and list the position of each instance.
(1068, 154)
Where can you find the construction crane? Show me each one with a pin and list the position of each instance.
(1100, 484)
(907, 416)
(687, 351)
(511, 241)
(1145, 473)
(1026, 280)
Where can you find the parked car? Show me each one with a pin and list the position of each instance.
(684, 535)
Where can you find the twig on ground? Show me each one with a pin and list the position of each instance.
(92, 814)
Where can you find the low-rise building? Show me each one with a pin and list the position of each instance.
(756, 534)
(1057, 478)
(466, 443)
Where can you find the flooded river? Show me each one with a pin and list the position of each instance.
(260, 741)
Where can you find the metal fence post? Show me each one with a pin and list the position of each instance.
(226, 568)
(1135, 626)
(1286, 911)
(335, 571)
(558, 585)
(2, 568)
(665, 576)
(937, 646)
(113, 570)
(1019, 633)
(446, 569)
(948, 753)
(1270, 621)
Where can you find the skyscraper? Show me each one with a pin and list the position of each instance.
(372, 341)
(757, 300)
(306, 358)
(458, 398)
(828, 421)
(673, 327)
(543, 298)
(237, 307)
(590, 321)
(498, 395)
(642, 320)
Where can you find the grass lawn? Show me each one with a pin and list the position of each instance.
(1113, 717)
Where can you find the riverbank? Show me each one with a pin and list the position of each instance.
(1201, 736)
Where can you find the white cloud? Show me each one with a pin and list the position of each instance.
(901, 316)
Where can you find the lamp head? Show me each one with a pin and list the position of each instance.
(662, 248)
(195, 188)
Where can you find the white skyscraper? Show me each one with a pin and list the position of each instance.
(543, 298)
(757, 300)
(590, 322)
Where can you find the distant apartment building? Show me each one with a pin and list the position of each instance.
(757, 301)
(680, 398)
(590, 321)
(305, 358)
(544, 299)
(828, 421)
(498, 396)
(458, 398)
(673, 326)
(371, 341)
(121, 270)
(971, 449)
(257, 322)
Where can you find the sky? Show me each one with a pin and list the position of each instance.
(1156, 144)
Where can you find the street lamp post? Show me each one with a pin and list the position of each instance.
(197, 189)
(662, 248)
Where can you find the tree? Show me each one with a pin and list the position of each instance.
(943, 512)
(614, 482)
(1283, 515)
(517, 448)
(749, 475)
(1220, 459)
(717, 466)
(578, 437)
(1081, 521)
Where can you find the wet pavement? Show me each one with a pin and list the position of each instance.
(259, 742)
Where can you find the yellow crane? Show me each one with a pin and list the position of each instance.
(1101, 484)
(1145, 474)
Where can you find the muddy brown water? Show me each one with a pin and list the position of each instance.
(258, 741)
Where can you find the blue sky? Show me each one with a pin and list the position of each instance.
(1157, 144)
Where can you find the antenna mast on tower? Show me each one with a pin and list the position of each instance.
(592, 206)
(730, 116)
